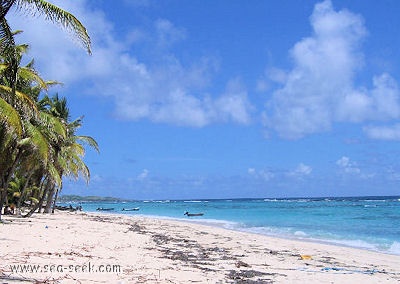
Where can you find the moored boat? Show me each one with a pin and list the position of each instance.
(131, 209)
(193, 214)
(104, 209)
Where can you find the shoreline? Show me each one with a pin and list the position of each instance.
(159, 250)
(214, 224)
(317, 220)
(279, 237)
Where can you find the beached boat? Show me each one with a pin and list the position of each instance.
(104, 209)
(193, 214)
(68, 208)
(131, 209)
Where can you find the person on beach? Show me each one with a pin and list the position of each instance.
(8, 210)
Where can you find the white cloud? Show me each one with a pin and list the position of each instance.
(172, 102)
(381, 103)
(383, 132)
(233, 104)
(348, 166)
(167, 33)
(319, 90)
(143, 175)
(343, 162)
(153, 84)
(271, 74)
(261, 174)
(301, 170)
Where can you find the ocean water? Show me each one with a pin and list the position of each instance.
(371, 223)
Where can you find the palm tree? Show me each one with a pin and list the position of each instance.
(24, 130)
(71, 151)
(35, 7)
(5, 6)
(15, 108)
(38, 141)
(52, 13)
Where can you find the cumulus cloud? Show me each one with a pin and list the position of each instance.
(391, 132)
(379, 104)
(347, 166)
(350, 168)
(301, 170)
(319, 90)
(151, 84)
(261, 174)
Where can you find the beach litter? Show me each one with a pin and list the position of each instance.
(305, 257)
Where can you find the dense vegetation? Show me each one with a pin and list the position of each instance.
(91, 198)
(39, 144)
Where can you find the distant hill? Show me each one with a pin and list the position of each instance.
(78, 198)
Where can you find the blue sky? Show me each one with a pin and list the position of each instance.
(226, 99)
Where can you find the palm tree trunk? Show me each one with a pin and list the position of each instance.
(5, 181)
(49, 200)
(41, 200)
(11, 171)
(3, 194)
(39, 204)
(23, 192)
(55, 200)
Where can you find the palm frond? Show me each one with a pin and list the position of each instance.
(3, 67)
(21, 100)
(5, 6)
(8, 50)
(89, 141)
(59, 16)
(53, 83)
(29, 74)
(10, 117)
(38, 142)
(54, 174)
(34, 200)
(53, 127)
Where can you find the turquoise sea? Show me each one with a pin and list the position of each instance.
(371, 223)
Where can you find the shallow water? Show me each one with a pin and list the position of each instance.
(371, 223)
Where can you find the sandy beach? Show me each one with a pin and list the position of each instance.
(101, 248)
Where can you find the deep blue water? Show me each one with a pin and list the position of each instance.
(371, 223)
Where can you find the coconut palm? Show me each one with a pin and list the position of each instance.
(70, 155)
(15, 107)
(5, 6)
(51, 12)
(34, 7)
(27, 133)
(24, 130)
(38, 141)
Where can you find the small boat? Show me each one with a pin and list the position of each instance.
(131, 209)
(69, 208)
(104, 209)
(193, 214)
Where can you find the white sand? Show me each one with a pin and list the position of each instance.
(147, 250)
